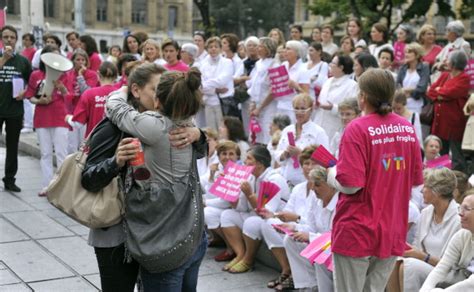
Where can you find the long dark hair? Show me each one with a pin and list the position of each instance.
(91, 45)
(235, 129)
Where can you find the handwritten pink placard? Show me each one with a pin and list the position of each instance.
(227, 187)
(279, 81)
(442, 161)
(470, 71)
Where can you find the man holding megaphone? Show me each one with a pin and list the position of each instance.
(15, 71)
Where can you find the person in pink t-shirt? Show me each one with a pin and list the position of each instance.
(379, 163)
(90, 109)
(171, 54)
(29, 50)
(48, 119)
(89, 45)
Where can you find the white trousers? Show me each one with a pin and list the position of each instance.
(272, 238)
(233, 218)
(29, 108)
(361, 274)
(75, 138)
(213, 116)
(253, 227)
(324, 277)
(415, 273)
(212, 216)
(304, 274)
(49, 139)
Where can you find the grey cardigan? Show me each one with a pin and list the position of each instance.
(424, 71)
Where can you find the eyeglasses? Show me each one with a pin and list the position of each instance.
(464, 209)
(301, 110)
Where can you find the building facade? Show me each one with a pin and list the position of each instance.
(108, 21)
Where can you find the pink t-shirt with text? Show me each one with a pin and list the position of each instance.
(381, 155)
(90, 109)
(180, 66)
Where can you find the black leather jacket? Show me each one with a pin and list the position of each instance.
(101, 166)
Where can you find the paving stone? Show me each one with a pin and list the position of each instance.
(30, 262)
(8, 232)
(94, 280)
(44, 205)
(15, 288)
(65, 220)
(79, 229)
(66, 285)
(37, 224)
(7, 277)
(9, 203)
(74, 252)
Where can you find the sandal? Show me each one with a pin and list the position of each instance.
(230, 265)
(273, 283)
(240, 267)
(286, 285)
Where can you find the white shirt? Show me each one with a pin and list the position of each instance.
(259, 85)
(160, 62)
(410, 81)
(297, 73)
(199, 59)
(310, 134)
(334, 91)
(330, 48)
(459, 44)
(238, 65)
(300, 200)
(319, 218)
(35, 62)
(318, 75)
(375, 50)
(413, 217)
(216, 73)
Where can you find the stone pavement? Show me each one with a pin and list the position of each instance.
(41, 249)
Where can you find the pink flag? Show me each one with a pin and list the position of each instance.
(317, 246)
(442, 161)
(279, 81)
(227, 187)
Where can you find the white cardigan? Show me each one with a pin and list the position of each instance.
(460, 252)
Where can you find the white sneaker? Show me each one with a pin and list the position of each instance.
(26, 130)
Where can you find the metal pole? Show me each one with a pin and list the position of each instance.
(78, 21)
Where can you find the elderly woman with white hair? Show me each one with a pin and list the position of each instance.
(454, 34)
(262, 105)
(242, 82)
(189, 53)
(438, 223)
(298, 77)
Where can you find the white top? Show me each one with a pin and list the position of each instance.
(259, 85)
(319, 218)
(297, 73)
(238, 65)
(335, 141)
(459, 253)
(318, 75)
(216, 73)
(160, 62)
(330, 48)
(374, 49)
(417, 197)
(459, 44)
(413, 217)
(311, 134)
(410, 81)
(300, 200)
(275, 203)
(35, 62)
(334, 91)
(198, 60)
(359, 42)
(244, 146)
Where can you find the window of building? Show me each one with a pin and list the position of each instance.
(139, 9)
(102, 10)
(12, 5)
(172, 17)
(48, 7)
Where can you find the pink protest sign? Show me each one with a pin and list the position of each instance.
(470, 71)
(317, 247)
(279, 81)
(227, 187)
(442, 161)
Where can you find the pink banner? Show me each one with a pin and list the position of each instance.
(279, 81)
(470, 71)
(227, 187)
(442, 161)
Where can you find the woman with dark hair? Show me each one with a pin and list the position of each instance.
(405, 35)
(232, 129)
(317, 69)
(362, 62)
(173, 266)
(199, 39)
(230, 45)
(131, 45)
(355, 32)
(89, 45)
(379, 37)
(171, 53)
(329, 46)
(368, 233)
(48, 119)
(339, 87)
(449, 94)
(315, 34)
(347, 46)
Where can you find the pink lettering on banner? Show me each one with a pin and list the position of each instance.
(227, 187)
(279, 81)
(470, 71)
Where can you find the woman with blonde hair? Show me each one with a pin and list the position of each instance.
(438, 223)
(151, 52)
(426, 37)
(277, 35)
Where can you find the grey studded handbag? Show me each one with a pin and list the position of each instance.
(164, 223)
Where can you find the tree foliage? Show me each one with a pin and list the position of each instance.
(372, 11)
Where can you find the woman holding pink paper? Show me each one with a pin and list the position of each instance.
(241, 225)
(304, 133)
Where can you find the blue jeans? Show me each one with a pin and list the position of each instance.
(180, 279)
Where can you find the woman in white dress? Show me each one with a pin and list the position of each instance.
(335, 90)
(317, 69)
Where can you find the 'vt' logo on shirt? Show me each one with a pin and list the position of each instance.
(392, 161)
